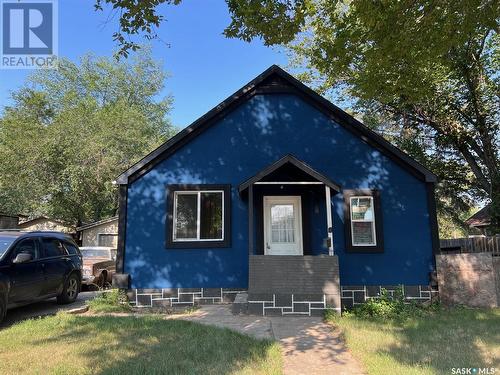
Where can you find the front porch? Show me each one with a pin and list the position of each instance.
(292, 266)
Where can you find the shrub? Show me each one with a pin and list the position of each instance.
(391, 307)
(113, 300)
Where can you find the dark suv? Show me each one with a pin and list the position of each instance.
(36, 266)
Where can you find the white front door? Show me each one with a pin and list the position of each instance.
(282, 225)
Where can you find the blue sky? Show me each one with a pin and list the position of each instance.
(205, 67)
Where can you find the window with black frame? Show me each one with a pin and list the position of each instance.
(198, 216)
(363, 221)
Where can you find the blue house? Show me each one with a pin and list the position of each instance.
(282, 198)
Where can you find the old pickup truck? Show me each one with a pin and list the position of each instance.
(98, 265)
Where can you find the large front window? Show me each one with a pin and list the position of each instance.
(198, 216)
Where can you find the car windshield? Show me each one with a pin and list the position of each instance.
(95, 253)
(5, 242)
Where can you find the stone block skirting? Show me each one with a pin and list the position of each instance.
(352, 295)
(268, 304)
(181, 296)
(291, 304)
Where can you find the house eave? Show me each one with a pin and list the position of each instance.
(289, 84)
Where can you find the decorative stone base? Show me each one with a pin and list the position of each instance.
(359, 294)
(181, 296)
(291, 304)
(267, 304)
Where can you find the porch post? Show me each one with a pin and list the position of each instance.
(250, 219)
(329, 226)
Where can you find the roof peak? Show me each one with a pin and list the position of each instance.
(289, 85)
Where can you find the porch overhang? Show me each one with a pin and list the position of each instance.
(314, 176)
(289, 171)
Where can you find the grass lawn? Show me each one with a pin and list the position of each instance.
(432, 344)
(68, 344)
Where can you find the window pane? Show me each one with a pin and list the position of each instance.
(185, 223)
(53, 247)
(72, 249)
(361, 208)
(26, 246)
(5, 242)
(211, 216)
(108, 239)
(362, 233)
(282, 223)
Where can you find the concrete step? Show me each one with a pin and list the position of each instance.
(240, 304)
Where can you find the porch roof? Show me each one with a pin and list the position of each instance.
(289, 160)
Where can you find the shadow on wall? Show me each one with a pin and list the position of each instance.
(245, 141)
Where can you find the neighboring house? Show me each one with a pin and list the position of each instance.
(10, 221)
(280, 193)
(46, 224)
(480, 222)
(99, 233)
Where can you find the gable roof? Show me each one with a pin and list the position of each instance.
(97, 223)
(289, 159)
(275, 80)
(37, 219)
(481, 218)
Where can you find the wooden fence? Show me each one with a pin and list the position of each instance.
(471, 245)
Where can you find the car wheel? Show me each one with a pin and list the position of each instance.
(101, 283)
(70, 290)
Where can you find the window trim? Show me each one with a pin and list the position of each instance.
(378, 246)
(173, 191)
(198, 215)
(373, 221)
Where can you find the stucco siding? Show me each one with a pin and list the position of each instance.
(90, 236)
(46, 225)
(250, 138)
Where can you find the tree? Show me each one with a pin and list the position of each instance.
(432, 68)
(71, 131)
(135, 17)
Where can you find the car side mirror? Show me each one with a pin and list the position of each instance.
(22, 258)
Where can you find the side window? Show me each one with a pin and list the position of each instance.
(363, 221)
(53, 247)
(28, 246)
(71, 248)
(107, 239)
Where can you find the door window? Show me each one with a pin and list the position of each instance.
(53, 247)
(27, 246)
(282, 223)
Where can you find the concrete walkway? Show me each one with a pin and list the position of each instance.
(310, 346)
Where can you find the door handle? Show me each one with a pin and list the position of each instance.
(267, 246)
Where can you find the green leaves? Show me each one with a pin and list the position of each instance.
(430, 66)
(72, 131)
(135, 17)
